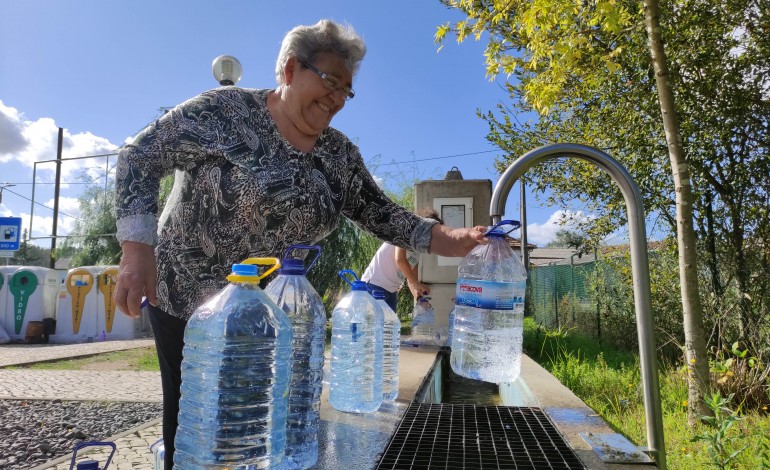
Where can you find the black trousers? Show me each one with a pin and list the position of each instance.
(169, 342)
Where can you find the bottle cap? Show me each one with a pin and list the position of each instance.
(245, 269)
(378, 294)
(359, 285)
(292, 266)
(502, 228)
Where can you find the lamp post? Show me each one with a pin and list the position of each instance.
(3, 186)
(227, 70)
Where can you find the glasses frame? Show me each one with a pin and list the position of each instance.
(331, 82)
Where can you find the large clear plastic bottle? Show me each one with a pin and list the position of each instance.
(235, 378)
(291, 291)
(488, 324)
(391, 344)
(451, 321)
(355, 378)
(424, 329)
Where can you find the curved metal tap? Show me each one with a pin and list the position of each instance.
(639, 267)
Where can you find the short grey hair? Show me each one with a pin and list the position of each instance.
(304, 42)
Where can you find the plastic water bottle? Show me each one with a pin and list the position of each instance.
(391, 344)
(235, 378)
(291, 291)
(489, 312)
(424, 329)
(355, 382)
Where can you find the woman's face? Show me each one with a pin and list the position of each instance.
(312, 104)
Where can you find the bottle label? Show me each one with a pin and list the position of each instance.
(490, 295)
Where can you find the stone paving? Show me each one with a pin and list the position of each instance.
(133, 451)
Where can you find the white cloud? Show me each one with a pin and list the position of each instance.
(541, 234)
(380, 181)
(28, 142)
(42, 225)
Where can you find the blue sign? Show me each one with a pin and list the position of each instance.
(10, 233)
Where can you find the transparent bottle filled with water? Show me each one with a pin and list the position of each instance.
(355, 372)
(489, 312)
(235, 378)
(292, 291)
(391, 346)
(424, 329)
(451, 321)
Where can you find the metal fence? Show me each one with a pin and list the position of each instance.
(560, 293)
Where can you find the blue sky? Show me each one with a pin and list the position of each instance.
(103, 70)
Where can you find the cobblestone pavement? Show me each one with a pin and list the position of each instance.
(132, 446)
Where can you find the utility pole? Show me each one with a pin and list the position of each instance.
(52, 262)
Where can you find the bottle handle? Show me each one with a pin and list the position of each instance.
(343, 274)
(315, 248)
(515, 223)
(83, 444)
(275, 262)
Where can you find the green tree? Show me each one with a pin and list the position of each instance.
(29, 254)
(587, 70)
(92, 240)
(565, 238)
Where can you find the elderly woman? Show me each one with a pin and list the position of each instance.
(255, 172)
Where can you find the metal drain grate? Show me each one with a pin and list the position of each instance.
(435, 436)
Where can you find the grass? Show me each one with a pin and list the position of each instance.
(609, 382)
(139, 359)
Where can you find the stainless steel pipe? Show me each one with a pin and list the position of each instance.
(640, 268)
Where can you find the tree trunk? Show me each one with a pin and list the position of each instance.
(695, 340)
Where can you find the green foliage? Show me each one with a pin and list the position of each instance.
(585, 69)
(92, 240)
(609, 381)
(569, 239)
(349, 247)
(720, 441)
(740, 375)
(29, 254)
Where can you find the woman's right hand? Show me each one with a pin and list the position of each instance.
(137, 276)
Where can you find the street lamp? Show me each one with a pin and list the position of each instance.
(227, 70)
(3, 187)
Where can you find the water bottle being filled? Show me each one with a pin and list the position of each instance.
(291, 291)
(451, 322)
(355, 382)
(235, 378)
(424, 328)
(391, 344)
(489, 312)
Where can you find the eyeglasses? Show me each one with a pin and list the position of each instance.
(331, 82)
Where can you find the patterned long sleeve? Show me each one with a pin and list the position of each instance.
(370, 209)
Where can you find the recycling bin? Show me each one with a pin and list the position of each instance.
(111, 323)
(76, 309)
(30, 296)
(5, 276)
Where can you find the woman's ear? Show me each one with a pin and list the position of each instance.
(288, 69)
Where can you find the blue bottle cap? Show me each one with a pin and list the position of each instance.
(496, 233)
(292, 266)
(378, 294)
(245, 269)
(359, 285)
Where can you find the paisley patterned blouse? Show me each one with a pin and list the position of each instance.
(241, 190)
